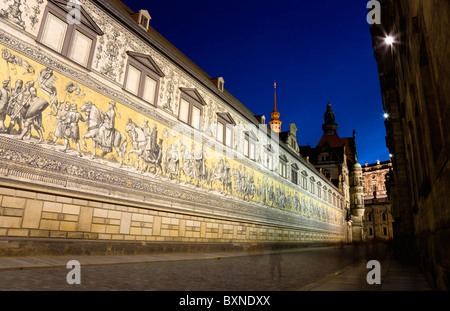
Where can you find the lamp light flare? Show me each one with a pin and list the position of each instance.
(386, 115)
(389, 40)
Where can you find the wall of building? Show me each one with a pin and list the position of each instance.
(415, 88)
(377, 206)
(211, 194)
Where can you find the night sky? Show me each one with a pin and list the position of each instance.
(316, 51)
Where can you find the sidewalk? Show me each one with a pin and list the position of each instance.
(394, 277)
(35, 262)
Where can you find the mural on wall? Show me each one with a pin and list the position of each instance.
(40, 106)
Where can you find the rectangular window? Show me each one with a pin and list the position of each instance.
(80, 48)
(184, 111)
(294, 176)
(196, 118)
(75, 41)
(228, 136)
(219, 134)
(246, 147)
(54, 33)
(142, 77)
(269, 162)
(149, 90)
(133, 80)
(282, 169)
(251, 154)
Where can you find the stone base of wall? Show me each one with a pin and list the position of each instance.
(64, 247)
(38, 222)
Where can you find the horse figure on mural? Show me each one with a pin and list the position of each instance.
(194, 167)
(102, 131)
(222, 173)
(148, 156)
(244, 183)
(138, 143)
(187, 168)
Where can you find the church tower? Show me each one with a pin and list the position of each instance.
(357, 203)
(330, 126)
(275, 123)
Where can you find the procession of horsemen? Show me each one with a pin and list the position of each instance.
(19, 101)
(25, 109)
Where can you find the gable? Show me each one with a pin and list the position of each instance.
(225, 116)
(85, 18)
(251, 135)
(146, 61)
(194, 94)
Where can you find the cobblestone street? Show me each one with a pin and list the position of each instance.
(269, 272)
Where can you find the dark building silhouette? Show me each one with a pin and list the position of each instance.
(414, 77)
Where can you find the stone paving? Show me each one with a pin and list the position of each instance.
(309, 269)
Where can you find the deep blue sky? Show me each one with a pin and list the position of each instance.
(315, 50)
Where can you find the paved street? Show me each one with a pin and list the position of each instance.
(279, 271)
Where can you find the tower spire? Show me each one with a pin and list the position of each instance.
(275, 96)
(275, 123)
(330, 126)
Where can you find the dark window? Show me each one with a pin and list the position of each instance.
(294, 176)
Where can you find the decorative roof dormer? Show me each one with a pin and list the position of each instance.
(219, 82)
(142, 17)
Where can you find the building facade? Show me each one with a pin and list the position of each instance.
(377, 206)
(112, 141)
(336, 159)
(415, 84)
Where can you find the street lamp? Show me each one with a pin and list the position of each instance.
(389, 40)
(386, 115)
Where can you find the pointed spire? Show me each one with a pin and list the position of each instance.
(275, 123)
(330, 126)
(275, 96)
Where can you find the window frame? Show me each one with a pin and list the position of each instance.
(225, 120)
(189, 96)
(145, 64)
(250, 139)
(294, 173)
(86, 27)
(282, 166)
(304, 180)
(312, 185)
